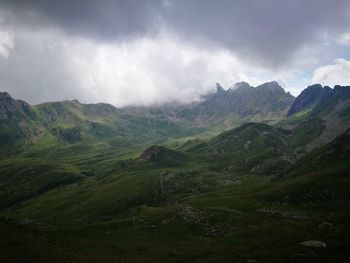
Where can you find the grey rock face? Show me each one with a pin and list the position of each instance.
(310, 97)
(244, 100)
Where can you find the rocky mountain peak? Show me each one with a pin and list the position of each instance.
(6, 100)
(4, 95)
(241, 85)
(10, 107)
(272, 85)
(219, 88)
(309, 97)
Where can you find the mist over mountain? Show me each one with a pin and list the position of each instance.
(267, 102)
(73, 122)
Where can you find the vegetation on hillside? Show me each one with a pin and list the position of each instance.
(132, 185)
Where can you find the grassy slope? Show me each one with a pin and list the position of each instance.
(251, 147)
(153, 211)
(206, 207)
(221, 224)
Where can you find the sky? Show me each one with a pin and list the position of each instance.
(143, 52)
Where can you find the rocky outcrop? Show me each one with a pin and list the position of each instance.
(13, 109)
(313, 243)
(268, 102)
(160, 155)
(309, 98)
(151, 154)
(20, 125)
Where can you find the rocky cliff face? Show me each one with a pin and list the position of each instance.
(309, 98)
(151, 153)
(267, 102)
(19, 124)
(13, 109)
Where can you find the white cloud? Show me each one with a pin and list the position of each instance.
(6, 42)
(150, 71)
(344, 39)
(49, 65)
(337, 73)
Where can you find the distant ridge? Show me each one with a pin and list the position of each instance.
(72, 122)
(268, 103)
(309, 97)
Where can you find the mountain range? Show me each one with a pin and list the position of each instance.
(231, 177)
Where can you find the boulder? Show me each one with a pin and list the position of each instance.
(313, 243)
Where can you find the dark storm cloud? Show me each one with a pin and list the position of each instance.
(267, 30)
(101, 19)
(36, 73)
(270, 31)
(152, 51)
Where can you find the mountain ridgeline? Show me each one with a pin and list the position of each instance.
(314, 95)
(73, 122)
(70, 122)
(247, 174)
(265, 103)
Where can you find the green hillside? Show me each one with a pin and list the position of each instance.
(148, 185)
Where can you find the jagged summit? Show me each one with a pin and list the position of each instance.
(219, 88)
(6, 100)
(311, 96)
(271, 85)
(11, 108)
(4, 94)
(242, 85)
(268, 102)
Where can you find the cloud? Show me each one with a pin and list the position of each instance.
(6, 43)
(333, 74)
(54, 66)
(344, 39)
(36, 68)
(152, 51)
(268, 32)
(96, 19)
(150, 71)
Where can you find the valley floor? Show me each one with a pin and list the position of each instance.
(237, 221)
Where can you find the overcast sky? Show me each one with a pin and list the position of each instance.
(128, 52)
